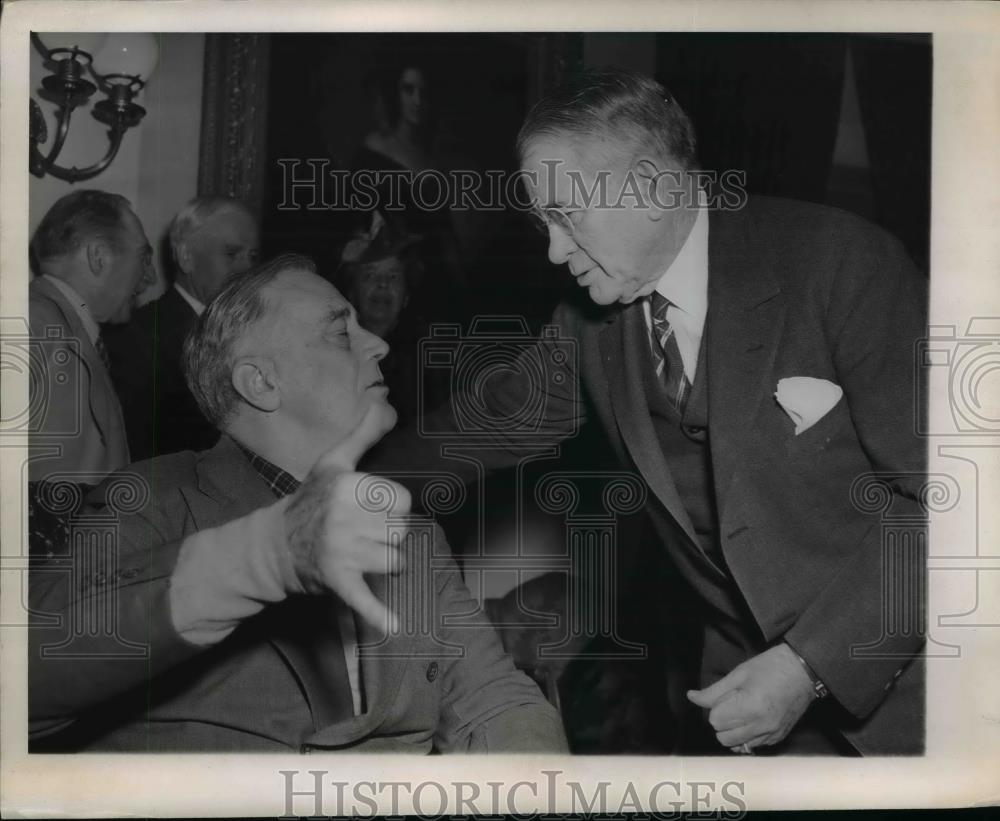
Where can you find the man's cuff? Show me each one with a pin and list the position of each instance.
(227, 574)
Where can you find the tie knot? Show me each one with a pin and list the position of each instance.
(658, 306)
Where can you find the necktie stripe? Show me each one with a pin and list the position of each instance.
(669, 364)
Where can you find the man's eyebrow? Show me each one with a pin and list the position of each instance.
(337, 313)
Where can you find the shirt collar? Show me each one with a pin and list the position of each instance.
(79, 305)
(196, 304)
(685, 282)
(280, 481)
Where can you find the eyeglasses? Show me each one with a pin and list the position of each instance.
(542, 218)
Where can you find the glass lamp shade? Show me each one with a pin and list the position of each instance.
(82, 40)
(132, 54)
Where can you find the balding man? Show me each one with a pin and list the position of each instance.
(211, 239)
(93, 260)
(242, 573)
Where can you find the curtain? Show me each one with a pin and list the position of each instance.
(767, 104)
(894, 92)
(234, 118)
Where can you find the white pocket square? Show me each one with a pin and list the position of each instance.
(806, 399)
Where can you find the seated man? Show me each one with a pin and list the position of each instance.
(93, 260)
(211, 239)
(232, 625)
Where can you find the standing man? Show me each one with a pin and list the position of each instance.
(211, 239)
(93, 261)
(749, 365)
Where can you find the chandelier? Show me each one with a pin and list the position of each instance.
(120, 64)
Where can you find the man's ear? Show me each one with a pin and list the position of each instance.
(99, 254)
(184, 257)
(254, 380)
(649, 173)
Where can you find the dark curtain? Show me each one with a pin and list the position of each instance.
(764, 103)
(894, 91)
(234, 118)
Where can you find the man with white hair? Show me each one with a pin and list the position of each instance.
(211, 239)
(238, 580)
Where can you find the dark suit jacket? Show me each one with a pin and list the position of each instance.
(76, 423)
(447, 687)
(161, 415)
(794, 290)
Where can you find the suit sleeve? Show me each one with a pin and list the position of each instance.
(488, 705)
(164, 598)
(877, 315)
(504, 397)
(100, 623)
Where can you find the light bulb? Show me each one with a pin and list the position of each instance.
(82, 40)
(132, 54)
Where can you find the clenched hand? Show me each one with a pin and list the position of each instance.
(333, 538)
(760, 701)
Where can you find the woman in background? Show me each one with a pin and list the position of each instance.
(403, 145)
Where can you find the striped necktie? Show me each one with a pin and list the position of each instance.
(666, 353)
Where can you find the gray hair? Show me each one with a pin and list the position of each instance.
(208, 356)
(624, 107)
(195, 214)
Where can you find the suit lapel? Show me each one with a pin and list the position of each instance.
(746, 316)
(620, 342)
(100, 390)
(229, 487)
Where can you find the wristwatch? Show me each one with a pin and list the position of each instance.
(819, 688)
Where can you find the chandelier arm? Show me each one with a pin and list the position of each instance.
(77, 174)
(65, 112)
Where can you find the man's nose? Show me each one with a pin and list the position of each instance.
(561, 245)
(374, 346)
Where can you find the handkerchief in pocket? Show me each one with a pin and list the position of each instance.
(806, 399)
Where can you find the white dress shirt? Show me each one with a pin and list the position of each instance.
(685, 284)
(196, 304)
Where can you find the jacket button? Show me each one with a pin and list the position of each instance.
(695, 430)
(432, 671)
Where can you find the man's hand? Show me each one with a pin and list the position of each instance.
(333, 538)
(760, 701)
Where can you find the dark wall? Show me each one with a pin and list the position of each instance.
(770, 104)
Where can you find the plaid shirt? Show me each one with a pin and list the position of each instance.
(281, 482)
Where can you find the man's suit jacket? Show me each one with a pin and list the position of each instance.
(447, 687)
(161, 415)
(76, 423)
(794, 290)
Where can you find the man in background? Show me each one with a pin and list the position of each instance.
(93, 259)
(242, 573)
(211, 239)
